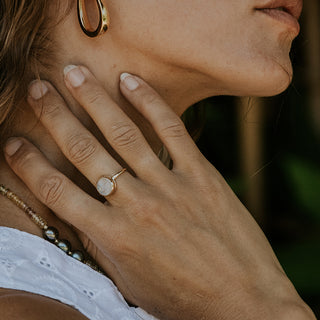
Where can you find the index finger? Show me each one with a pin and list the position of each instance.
(169, 127)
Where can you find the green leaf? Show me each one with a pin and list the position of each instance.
(304, 179)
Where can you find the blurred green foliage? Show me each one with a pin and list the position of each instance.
(304, 179)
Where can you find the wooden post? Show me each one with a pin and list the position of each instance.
(312, 31)
(251, 120)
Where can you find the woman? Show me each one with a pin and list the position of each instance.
(177, 243)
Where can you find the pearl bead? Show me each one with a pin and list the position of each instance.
(78, 255)
(91, 265)
(64, 245)
(51, 234)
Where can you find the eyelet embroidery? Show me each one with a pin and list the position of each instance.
(34, 265)
(7, 243)
(7, 266)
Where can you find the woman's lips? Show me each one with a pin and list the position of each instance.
(284, 17)
(293, 7)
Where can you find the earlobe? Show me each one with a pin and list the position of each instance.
(86, 26)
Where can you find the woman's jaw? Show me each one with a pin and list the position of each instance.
(190, 50)
(187, 52)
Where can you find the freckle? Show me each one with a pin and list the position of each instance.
(114, 66)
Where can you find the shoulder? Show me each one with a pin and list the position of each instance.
(17, 305)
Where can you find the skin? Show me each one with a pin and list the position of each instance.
(227, 38)
(16, 305)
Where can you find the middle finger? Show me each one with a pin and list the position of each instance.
(75, 141)
(119, 130)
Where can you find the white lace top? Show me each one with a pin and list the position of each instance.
(30, 263)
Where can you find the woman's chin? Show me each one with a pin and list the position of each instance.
(255, 79)
(276, 80)
(267, 84)
(269, 89)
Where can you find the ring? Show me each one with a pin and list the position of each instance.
(108, 185)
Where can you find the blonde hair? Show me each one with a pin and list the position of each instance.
(25, 43)
(24, 50)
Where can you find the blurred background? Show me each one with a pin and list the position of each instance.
(269, 152)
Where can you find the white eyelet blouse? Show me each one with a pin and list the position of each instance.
(30, 263)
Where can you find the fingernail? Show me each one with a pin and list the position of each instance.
(37, 89)
(12, 146)
(129, 81)
(74, 75)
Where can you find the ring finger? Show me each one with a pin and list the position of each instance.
(75, 141)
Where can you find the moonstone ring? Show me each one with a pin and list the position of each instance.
(108, 185)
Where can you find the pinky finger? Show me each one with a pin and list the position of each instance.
(52, 188)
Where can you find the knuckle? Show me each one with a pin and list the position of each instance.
(149, 160)
(80, 148)
(96, 97)
(124, 134)
(23, 159)
(173, 129)
(51, 189)
(149, 98)
(149, 213)
(50, 110)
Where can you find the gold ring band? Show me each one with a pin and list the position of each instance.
(106, 186)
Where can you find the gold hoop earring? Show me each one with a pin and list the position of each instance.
(104, 19)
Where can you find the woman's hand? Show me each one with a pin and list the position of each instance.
(176, 242)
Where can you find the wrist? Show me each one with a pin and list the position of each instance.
(288, 305)
(275, 302)
(278, 299)
(298, 310)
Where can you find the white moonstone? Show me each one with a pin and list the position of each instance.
(105, 186)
